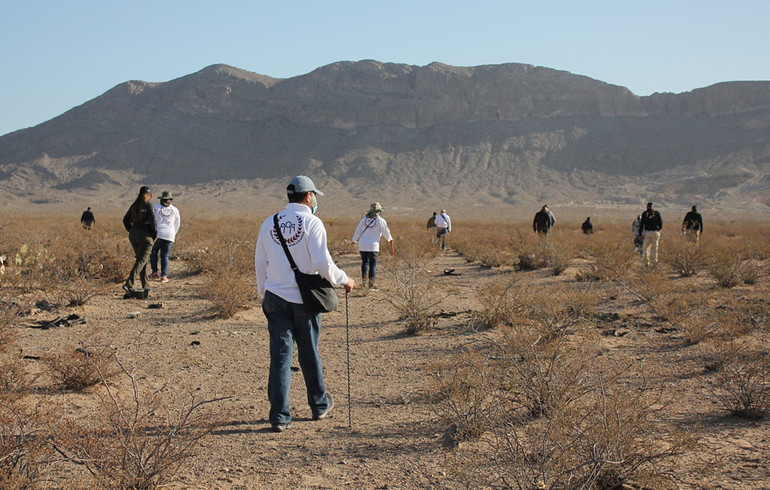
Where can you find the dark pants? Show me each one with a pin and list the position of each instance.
(141, 242)
(288, 323)
(164, 247)
(369, 264)
(441, 237)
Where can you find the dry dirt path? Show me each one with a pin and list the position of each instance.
(396, 438)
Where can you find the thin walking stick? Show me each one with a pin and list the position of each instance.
(347, 342)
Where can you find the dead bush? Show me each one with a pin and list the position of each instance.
(229, 294)
(414, 294)
(79, 368)
(229, 282)
(537, 414)
(463, 391)
(501, 302)
(24, 444)
(725, 266)
(684, 256)
(142, 443)
(742, 379)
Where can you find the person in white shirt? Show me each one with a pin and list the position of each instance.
(443, 226)
(287, 319)
(167, 221)
(368, 232)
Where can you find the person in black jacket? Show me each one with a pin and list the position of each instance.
(543, 222)
(87, 219)
(587, 226)
(649, 229)
(139, 222)
(692, 226)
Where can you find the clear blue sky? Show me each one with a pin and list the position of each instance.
(55, 55)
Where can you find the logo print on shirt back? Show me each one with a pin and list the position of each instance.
(293, 230)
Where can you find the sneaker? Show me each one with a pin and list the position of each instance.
(373, 288)
(325, 413)
(154, 275)
(281, 427)
(164, 279)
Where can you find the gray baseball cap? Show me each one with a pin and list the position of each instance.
(300, 184)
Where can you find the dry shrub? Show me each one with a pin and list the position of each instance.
(24, 444)
(751, 270)
(229, 294)
(698, 328)
(589, 274)
(461, 388)
(684, 256)
(76, 369)
(142, 443)
(613, 258)
(554, 309)
(23, 424)
(501, 302)
(544, 373)
(229, 282)
(533, 413)
(414, 294)
(742, 379)
(725, 266)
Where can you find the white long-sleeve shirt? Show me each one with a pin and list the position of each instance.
(443, 221)
(305, 236)
(167, 221)
(368, 233)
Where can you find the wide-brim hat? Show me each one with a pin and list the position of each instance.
(166, 196)
(375, 207)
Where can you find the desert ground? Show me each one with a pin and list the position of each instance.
(681, 351)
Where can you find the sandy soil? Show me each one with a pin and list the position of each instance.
(397, 440)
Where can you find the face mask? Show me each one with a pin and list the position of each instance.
(315, 203)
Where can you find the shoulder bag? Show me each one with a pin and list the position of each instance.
(317, 292)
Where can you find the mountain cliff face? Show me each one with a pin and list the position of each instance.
(487, 134)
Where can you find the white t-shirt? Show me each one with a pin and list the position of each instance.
(305, 237)
(167, 221)
(443, 221)
(368, 233)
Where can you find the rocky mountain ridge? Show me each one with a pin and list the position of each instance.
(484, 135)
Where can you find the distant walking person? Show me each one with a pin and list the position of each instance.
(87, 219)
(637, 234)
(692, 226)
(443, 227)
(587, 226)
(139, 222)
(368, 232)
(543, 222)
(650, 227)
(167, 220)
(287, 319)
(430, 226)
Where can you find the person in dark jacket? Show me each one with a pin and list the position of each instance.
(543, 222)
(587, 226)
(692, 226)
(139, 222)
(649, 229)
(87, 219)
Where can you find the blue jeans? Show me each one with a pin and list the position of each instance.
(369, 264)
(441, 234)
(289, 322)
(164, 247)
